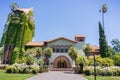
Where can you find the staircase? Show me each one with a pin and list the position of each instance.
(61, 69)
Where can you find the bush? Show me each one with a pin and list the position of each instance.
(106, 71)
(2, 66)
(35, 70)
(42, 69)
(30, 59)
(105, 62)
(87, 72)
(9, 69)
(116, 59)
(23, 68)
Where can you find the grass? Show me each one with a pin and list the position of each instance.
(103, 77)
(11, 76)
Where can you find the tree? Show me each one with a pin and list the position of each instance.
(29, 59)
(87, 49)
(116, 59)
(103, 10)
(73, 52)
(15, 55)
(104, 49)
(38, 52)
(80, 61)
(31, 51)
(19, 29)
(48, 53)
(116, 45)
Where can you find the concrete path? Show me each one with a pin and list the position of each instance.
(57, 75)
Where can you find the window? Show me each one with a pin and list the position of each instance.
(66, 50)
(62, 50)
(57, 50)
(53, 49)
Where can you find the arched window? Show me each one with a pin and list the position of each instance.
(66, 48)
(62, 49)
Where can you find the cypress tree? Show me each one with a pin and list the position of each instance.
(104, 49)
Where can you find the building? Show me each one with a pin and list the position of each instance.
(60, 46)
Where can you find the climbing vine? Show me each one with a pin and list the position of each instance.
(19, 29)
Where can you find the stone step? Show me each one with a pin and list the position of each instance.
(61, 69)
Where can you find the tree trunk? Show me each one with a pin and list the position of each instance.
(8, 49)
(81, 68)
(73, 64)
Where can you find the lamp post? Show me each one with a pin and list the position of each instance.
(94, 66)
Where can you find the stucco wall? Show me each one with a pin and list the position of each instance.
(78, 45)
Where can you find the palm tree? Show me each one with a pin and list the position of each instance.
(47, 54)
(103, 10)
(31, 51)
(73, 52)
(87, 49)
(38, 52)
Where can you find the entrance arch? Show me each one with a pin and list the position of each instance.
(61, 62)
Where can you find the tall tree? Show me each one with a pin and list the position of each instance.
(19, 29)
(103, 10)
(104, 49)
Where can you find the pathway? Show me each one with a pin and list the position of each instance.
(57, 75)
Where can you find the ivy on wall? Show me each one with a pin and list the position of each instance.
(19, 29)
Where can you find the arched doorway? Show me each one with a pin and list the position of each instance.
(61, 62)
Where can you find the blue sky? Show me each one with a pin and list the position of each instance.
(56, 18)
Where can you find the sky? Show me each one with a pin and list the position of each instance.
(66, 18)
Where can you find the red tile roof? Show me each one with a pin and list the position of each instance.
(80, 35)
(26, 10)
(61, 38)
(95, 48)
(34, 44)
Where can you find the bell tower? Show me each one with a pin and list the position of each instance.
(80, 38)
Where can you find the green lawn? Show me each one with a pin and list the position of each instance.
(103, 77)
(10, 76)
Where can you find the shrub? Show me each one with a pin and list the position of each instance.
(35, 70)
(23, 68)
(87, 72)
(2, 66)
(116, 59)
(30, 59)
(9, 69)
(106, 71)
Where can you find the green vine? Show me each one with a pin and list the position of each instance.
(19, 29)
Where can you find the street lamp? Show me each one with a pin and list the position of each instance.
(94, 66)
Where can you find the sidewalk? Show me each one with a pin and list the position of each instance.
(57, 75)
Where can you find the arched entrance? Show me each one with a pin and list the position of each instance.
(61, 62)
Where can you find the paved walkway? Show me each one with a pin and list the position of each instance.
(57, 75)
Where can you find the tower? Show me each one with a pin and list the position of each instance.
(80, 38)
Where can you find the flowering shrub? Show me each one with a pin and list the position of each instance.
(106, 71)
(23, 68)
(2, 66)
